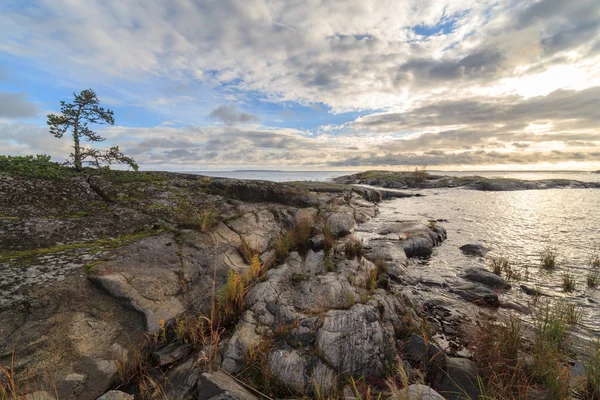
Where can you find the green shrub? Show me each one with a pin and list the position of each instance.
(284, 243)
(38, 166)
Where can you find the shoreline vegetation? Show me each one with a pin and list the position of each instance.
(175, 286)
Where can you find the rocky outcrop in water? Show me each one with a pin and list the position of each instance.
(422, 180)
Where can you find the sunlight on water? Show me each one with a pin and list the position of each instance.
(518, 225)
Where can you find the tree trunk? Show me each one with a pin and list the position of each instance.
(77, 152)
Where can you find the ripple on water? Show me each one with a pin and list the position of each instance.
(517, 225)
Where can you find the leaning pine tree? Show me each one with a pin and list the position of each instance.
(75, 117)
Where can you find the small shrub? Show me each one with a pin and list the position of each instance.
(568, 282)
(382, 266)
(38, 166)
(548, 257)
(207, 219)
(329, 265)
(231, 297)
(284, 244)
(421, 174)
(372, 281)
(593, 279)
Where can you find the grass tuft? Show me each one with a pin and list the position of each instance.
(548, 258)
(568, 283)
(593, 279)
(353, 249)
(284, 243)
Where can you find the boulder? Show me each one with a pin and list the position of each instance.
(478, 250)
(421, 353)
(171, 353)
(353, 341)
(485, 277)
(459, 381)
(341, 224)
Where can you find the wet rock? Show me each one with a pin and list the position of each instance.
(219, 385)
(115, 395)
(478, 250)
(485, 277)
(459, 381)
(477, 294)
(531, 291)
(417, 392)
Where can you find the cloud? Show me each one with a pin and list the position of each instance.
(230, 115)
(16, 105)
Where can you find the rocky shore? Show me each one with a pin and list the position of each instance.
(176, 286)
(424, 180)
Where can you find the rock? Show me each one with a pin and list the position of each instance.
(477, 294)
(353, 341)
(420, 353)
(341, 224)
(289, 367)
(474, 250)
(459, 381)
(115, 395)
(317, 242)
(416, 392)
(485, 277)
(219, 385)
(171, 353)
(531, 291)
(181, 382)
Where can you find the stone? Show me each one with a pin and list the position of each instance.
(341, 224)
(171, 353)
(416, 392)
(474, 249)
(477, 294)
(288, 366)
(420, 353)
(459, 381)
(353, 341)
(220, 384)
(485, 277)
(115, 395)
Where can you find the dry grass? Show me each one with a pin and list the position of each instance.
(329, 239)
(246, 251)
(353, 249)
(501, 265)
(303, 230)
(590, 388)
(284, 243)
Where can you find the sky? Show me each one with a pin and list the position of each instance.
(311, 84)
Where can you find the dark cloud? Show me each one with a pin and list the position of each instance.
(561, 105)
(231, 115)
(16, 105)
(478, 157)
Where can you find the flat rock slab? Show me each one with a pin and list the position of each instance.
(219, 385)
